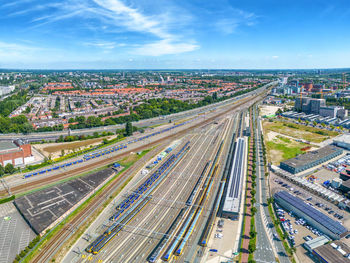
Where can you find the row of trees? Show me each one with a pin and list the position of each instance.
(149, 109)
(8, 169)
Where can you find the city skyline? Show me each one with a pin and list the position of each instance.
(117, 34)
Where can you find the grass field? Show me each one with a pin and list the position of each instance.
(282, 148)
(299, 131)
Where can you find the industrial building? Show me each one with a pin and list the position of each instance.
(316, 242)
(314, 188)
(334, 252)
(310, 159)
(312, 216)
(17, 152)
(233, 195)
(319, 107)
(345, 186)
(345, 123)
(343, 141)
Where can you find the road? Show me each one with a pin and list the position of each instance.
(32, 137)
(266, 244)
(204, 125)
(18, 185)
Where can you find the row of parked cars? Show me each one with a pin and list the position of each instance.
(288, 226)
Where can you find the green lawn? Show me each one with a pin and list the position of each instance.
(299, 131)
(287, 151)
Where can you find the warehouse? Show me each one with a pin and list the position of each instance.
(335, 252)
(312, 216)
(17, 152)
(308, 160)
(233, 195)
(343, 141)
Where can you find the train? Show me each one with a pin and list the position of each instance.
(123, 214)
(90, 156)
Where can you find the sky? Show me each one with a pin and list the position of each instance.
(174, 34)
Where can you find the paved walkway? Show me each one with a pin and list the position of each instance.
(247, 216)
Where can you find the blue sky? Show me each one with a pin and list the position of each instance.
(149, 34)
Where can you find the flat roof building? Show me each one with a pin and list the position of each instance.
(234, 191)
(16, 152)
(310, 159)
(343, 141)
(315, 243)
(312, 216)
(330, 253)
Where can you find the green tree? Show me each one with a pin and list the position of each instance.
(2, 170)
(278, 112)
(9, 169)
(128, 129)
(253, 210)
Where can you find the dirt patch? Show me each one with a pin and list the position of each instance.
(55, 149)
(268, 110)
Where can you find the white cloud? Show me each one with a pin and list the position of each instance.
(14, 50)
(229, 25)
(104, 45)
(117, 17)
(164, 47)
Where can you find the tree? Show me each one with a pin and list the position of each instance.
(278, 112)
(9, 169)
(2, 170)
(128, 129)
(270, 200)
(253, 210)
(314, 123)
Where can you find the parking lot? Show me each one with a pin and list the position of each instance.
(297, 228)
(324, 206)
(44, 207)
(15, 234)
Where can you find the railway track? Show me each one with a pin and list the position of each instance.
(54, 243)
(51, 246)
(28, 186)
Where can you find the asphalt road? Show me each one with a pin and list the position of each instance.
(264, 252)
(32, 137)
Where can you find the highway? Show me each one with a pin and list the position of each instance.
(18, 185)
(32, 137)
(135, 243)
(202, 131)
(267, 246)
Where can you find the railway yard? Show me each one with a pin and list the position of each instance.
(163, 207)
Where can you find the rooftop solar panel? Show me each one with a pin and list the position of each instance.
(316, 215)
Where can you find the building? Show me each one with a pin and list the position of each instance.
(342, 141)
(6, 90)
(334, 252)
(17, 152)
(319, 107)
(316, 242)
(233, 196)
(345, 186)
(312, 216)
(310, 159)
